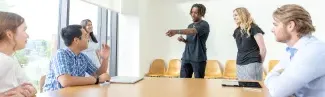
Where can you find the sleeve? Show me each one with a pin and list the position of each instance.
(202, 28)
(255, 29)
(5, 67)
(235, 33)
(91, 67)
(9, 64)
(61, 64)
(21, 77)
(303, 69)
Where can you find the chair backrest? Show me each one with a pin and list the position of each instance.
(157, 67)
(213, 68)
(272, 63)
(230, 69)
(174, 67)
(264, 74)
(41, 83)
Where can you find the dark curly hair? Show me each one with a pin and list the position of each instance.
(200, 7)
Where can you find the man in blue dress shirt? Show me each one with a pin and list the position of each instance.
(301, 72)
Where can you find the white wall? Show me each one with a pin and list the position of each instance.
(128, 39)
(157, 16)
(143, 23)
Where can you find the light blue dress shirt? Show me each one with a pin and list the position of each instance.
(304, 70)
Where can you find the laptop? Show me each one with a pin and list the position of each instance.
(125, 79)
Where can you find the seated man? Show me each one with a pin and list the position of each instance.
(69, 66)
(302, 70)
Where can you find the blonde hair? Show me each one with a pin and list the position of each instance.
(245, 18)
(297, 14)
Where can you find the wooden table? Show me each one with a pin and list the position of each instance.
(160, 87)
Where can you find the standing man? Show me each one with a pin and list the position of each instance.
(194, 57)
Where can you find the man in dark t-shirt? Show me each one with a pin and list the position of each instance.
(195, 56)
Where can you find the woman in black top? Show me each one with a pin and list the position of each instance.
(251, 48)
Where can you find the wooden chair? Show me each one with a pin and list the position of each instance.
(157, 68)
(212, 69)
(174, 68)
(230, 70)
(272, 63)
(41, 83)
(264, 74)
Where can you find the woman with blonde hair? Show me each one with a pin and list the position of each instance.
(251, 48)
(13, 37)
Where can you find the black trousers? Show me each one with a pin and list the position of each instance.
(188, 67)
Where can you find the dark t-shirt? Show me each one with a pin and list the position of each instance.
(248, 50)
(195, 49)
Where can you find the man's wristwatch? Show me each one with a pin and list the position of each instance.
(97, 79)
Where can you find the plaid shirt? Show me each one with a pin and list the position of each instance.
(66, 62)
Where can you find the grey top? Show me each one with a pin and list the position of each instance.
(195, 49)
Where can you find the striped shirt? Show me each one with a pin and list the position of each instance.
(66, 62)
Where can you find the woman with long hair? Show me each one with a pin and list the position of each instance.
(93, 45)
(13, 37)
(251, 48)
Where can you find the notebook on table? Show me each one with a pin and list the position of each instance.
(125, 79)
(236, 83)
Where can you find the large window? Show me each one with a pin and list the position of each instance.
(43, 20)
(80, 10)
(101, 21)
(108, 35)
(41, 17)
